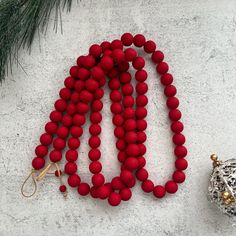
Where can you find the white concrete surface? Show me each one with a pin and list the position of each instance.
(199, 41)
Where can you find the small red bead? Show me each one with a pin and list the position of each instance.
(94, 154)
(177, 127)
(170, 90)
(141, 162)
(62, 188)
(55, 156)
(70, 168)
(116, 183)
(115, 96)
(130, 54)
(73, 143)
(74, 71)
(147, 186)
(67, 120)
(38, 163)
(78, 119)
(83, 73)
(86, 96)
(62, 132)
(132, 150)
(116, 108)
(80, 61)
(71, 155)
(138, 63)
(71, 109)
(125, 194)
(116, 44)
(126, 176)
(159, 191)
(166, 79)
(55, 116)
(139, 40)
(117, 120)
(130, 125)
(69, 82)
(95, 50)
(149, 46)
(141, 88)
(141, 75)
(175, 115)
(141, 125)
(51, 128)
(125, 77)
(95, 129)
(107, 63)
(74, 180)
(104, 191)
(98, 180)
(94, 192)
(119, 132)
(59, 143)
(128, 101)
(118, 55)
(97, 73)
(123, 66)
(171, 187)
(157, 56)
(172, 102)
(46, 139)
(162, 68)
(141, 100)
(142, 174)
(178, 139)
(91, 85)
(114, 199)
(65, 93)
(127, 39)
(131, 137)
(58, 173)
(128, 113)
(178, 176)
(60, 105)
(74, 97)
(94, 141)
(82, 108)
(76, 131)
(83, 189)
(181, 151)
(181, 164)
(41, 151)
(141, 112)
(95, 167)
(105, 45)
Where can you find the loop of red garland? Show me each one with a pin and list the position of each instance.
(83, 93)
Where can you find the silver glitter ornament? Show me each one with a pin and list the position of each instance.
(222, 186)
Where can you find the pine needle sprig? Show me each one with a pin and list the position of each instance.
(20, 20)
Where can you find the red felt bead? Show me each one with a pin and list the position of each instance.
(123, 66)
(178, 139)
(86, 96)
(127, 39)
(141, 88)
(142, 174)
(116, 108)
(130, 54)
(116, 44)
(149, 46)
(80, 61)
(177, 127)
(79, 85)
(130, 125)
(59, 143)
(119, 132)
(171, 187)
(125, 194)
(170, 91)
(46, 139)
(141, 100)
(141, 125)
(74, 71)
(126, 176)
(157, 56)
(181, 164)
(91, 85)
(139, 40)
(94, 141)
(175, 115)
(131, 163)
(127, 89)
(107, 53)
(95, 50)
(141, 112)
(76, 131)
(159, 191)
(181, 151)
(132, 150)
(69, 82)
(128, 113)
(94, 154)
(97, 105)
(131, 183)
(95, 129)
(141, 137)
(38, 163)
(78, 119)
(62, 188)
(105, 45)
(55, 156)
(95, 167)
(94, 192)
(178, 176)
(141, 162)
(74, 97)
(104, 191)
(125, 77)
(55, 116)
(82, 108)
(118, 55)
(67, 120)
(71, 155)
(83, 189)
(83, 73)
(70, 168)
(117, 120)
(147, 186)
(97, 73)
(113, 72)
(172, 102)
(120, 144)
(41, 151)
(62, 132)
(51, 128)
(166, 79)
(128, 101)
(60, 105)
(141, 75)
(114, 84)
(115, 96)
(73, 143)
(73, 180)
(71, 109)
(98, 180)
(131, 137)
(142, 149)
(106, 63)
(99, 93)
(114, 199)
(162, 68)
(65, 93)
(138, 63)
(116, 183)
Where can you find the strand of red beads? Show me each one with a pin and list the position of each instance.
(83, 93)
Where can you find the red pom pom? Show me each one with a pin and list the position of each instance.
(105, 45)
(141, 88)
(80, 61)
(141, 161)
(125, 194)
(74, 180)
(159, 191)
(95, 117)
(178, 176)
(38, 163)
(55, 116)
(141, 125)
(98, 180)
(59, 143)
(94, 154)
(86, 96)
(76, 131)
(69, 82)
(83, 73)
(91, 85)
(142, 174)
(130, 125)
(132, 150)
(127, 39)
(74, 97)
(60, 105)
(177, 127)
(181, 151)
(51, 128)
(107, 63)
(141, 100)
(162, 68)
(131, 163)
(74, 71)
(128, 113)
(147, 186)
(104, 191)
(178, 139)
(138, 63)
(157, 56)
(46, 139)
(119, 132)
(55, 156)
(127, 89)
(95, 167)
(139, 40)
(114, 199)
(131, 137)
(65, 93)
(70, 168)
(71, 109)
(130, 54)
(78, 119)
(95, 129)
(97, 73)
(67, 120)
(116, 183)
(97, 105)
(181, 164)
(171, 187)
(94, 142)
(89, 62)
(149, 46)
(126, 176)
(141, 112)
(94, 192)
(172, 102)
(71, 155)
(166, 79)
(83, 189)
(114, 84)
(95, 50)
(116, 108)
(73, 143)
(128, 101)
(41, 151)
(62, 132)
(141, 75)
(79, 85)
(170, 90)
(175, 115)
(116, 44)
(118, 55)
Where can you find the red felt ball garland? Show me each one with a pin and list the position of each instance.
(81, 101)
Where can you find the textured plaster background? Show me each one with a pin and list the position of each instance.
(199, 41)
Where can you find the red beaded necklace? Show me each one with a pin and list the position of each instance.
(82, 95)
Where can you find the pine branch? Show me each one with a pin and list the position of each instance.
(19, 22)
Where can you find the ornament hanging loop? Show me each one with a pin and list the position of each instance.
(32, 174)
